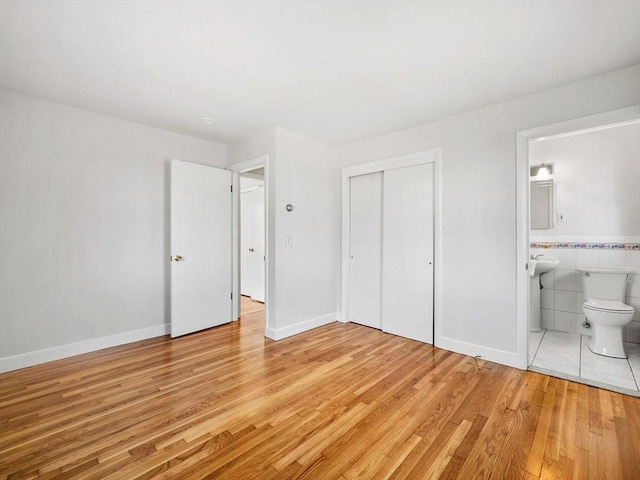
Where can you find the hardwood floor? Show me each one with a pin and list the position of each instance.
(340, 402)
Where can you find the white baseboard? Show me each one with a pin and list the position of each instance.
(502, 357)
(290, 330)
(29, 359)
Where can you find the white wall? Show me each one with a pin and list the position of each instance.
(84, 228)
(304, 279)
(258, 144)
(597, 187)
(596, 180)
(476, 309)
(307, 273)
(84, 210)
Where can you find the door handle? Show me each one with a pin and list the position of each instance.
(251, 250)
(178, 258)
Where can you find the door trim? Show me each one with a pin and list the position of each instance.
(418, 158)
(522, 207)
(237, 169)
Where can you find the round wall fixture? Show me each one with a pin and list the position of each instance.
(289, 207)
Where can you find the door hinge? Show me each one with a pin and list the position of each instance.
(231, 188)
(231, 295)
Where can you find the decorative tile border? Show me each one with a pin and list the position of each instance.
(587, 245)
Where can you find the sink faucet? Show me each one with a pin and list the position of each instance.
(537, 257)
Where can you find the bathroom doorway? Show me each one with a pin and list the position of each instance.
(585, 219)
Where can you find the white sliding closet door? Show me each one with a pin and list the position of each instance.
(407, 252)
(366, 250)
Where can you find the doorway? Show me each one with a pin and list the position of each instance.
(251, 258)
(252, 236)
(561, 289)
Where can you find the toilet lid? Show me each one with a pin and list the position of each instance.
(607, 306)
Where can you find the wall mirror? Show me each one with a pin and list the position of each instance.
(541, 204)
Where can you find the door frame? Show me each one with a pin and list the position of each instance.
(236, 170)
(412, 159)
(523, 138)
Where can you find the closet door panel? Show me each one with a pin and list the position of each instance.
(407, 258)
(365, 249)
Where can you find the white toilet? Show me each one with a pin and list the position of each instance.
(604, 291)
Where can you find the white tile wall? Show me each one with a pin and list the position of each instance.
(633, 288)
(612, 258)
(632, 259)
(632, 334)
(565, 279)
(567, 258)
(565, 301)
(561, 296)
(635, 303)
(548, 280)
(547, 298)
(587, 258)
(565, 321)
(548, 319)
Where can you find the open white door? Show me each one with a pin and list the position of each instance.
(201, 247)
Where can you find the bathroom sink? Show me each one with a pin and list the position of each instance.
(544, 266)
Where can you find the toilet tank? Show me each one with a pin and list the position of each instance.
(604, 284)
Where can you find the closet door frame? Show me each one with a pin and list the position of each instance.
(419, 158)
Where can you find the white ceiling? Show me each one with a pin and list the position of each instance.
(336, 71)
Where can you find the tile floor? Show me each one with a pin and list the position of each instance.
(567, 355)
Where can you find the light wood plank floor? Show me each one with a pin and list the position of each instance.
(340, 402)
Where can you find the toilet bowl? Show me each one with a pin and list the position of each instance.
(608, 319)
(604, 292)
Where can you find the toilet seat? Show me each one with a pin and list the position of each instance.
(607, 306)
